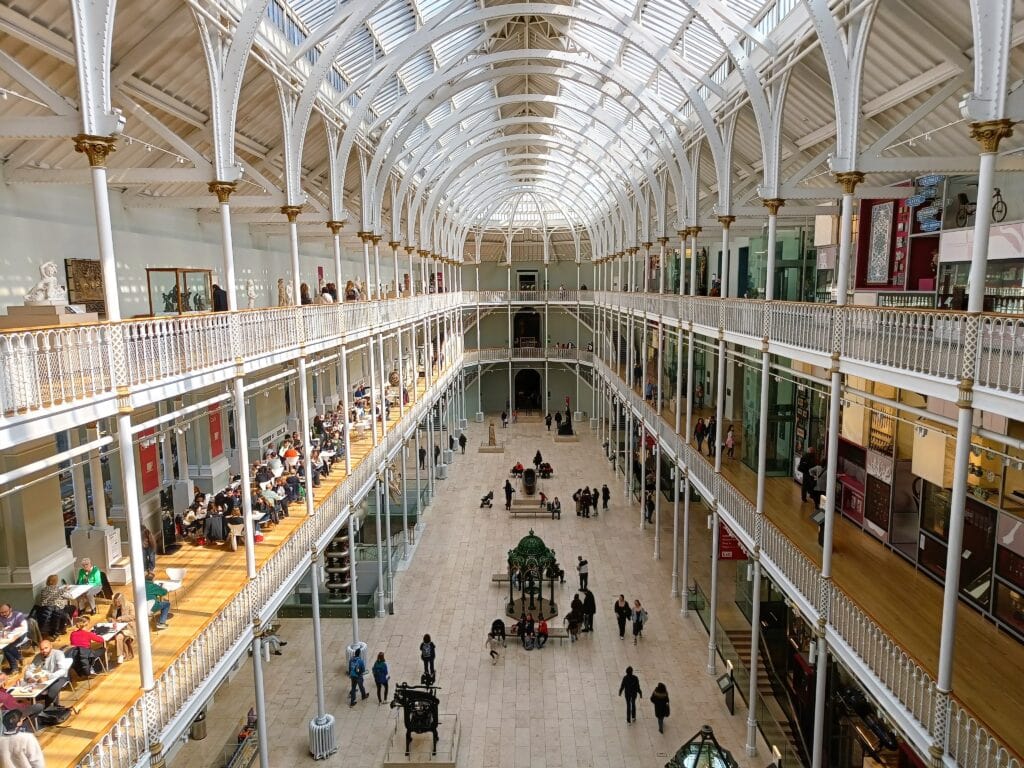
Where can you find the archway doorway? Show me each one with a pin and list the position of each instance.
(526, 330)
(528, 390)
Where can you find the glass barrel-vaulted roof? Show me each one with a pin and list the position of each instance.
(567, 102)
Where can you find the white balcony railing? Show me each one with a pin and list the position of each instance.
(51, 368)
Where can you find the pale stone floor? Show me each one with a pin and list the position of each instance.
(557, 707)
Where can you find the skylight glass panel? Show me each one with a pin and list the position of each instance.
(439, 113)
(392, 24)
(472, 95)
(385, 99)
(701, 47)
(456, 45)
(416, 70)
(358, 55)
(428, 9)
(637, 63)
(603, 45)
(664, 18)
(314, 12)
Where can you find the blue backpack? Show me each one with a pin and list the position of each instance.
(356, 667)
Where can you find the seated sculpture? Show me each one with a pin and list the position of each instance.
(47, 290)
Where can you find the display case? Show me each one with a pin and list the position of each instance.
(174, 291)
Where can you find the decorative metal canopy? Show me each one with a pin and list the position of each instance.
(702, 751)
(531, 554)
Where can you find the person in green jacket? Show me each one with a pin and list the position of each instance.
(90, 574)
(156, 593)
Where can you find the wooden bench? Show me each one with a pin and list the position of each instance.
(500, 578)
(532, 511)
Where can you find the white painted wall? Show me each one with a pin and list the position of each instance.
(51, 223)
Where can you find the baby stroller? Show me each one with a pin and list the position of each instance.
(498, 630)
(485, 501)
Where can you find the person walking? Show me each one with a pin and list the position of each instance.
(623, 613)
(428, 653)
(639, 617)
(820, 476)
(583, 567)
(437, 454)
(630, 688)
(537, 461)
(712, 435)
(606, 496)
(381, 676)
(807, 460)
(504, 419)
(585, 502)
(462, 441)
(423, 458)
(698, 395)
(589, 609)
(699, 433)
(730, 441)
(660, 701)
(356, 670)
(491, 646)
(509, 490)
(649, 507)
(547, 422)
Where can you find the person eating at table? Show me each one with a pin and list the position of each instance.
(82, 640)
(90, 574)
(48, 667)
(13, 626)
(122, 611)
(10, 704)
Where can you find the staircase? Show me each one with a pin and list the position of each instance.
(740, 640)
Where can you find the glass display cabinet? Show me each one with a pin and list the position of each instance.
(175, 291)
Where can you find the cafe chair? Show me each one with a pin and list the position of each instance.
(236, 531)
(177, 574)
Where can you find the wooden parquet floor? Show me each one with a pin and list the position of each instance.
(988, 667)
(215, 575)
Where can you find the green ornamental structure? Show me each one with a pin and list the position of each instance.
(530, 563)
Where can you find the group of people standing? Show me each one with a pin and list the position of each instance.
(382, 673)
(586, 500)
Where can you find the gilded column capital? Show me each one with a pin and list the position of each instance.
(694, 231)
(684, 233)
(663, 241)
(96, 148)
(292, 212)
(424, 253)
(726, 221)
(376, 238)
(410, 249)
(222, 189)
(335, 226)
(849, 180)
(989, 133)
(648, 244)
(773, 204)
(366, 237)
(395, 245)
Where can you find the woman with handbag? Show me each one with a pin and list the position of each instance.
(639, 619)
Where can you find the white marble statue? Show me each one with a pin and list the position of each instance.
(250, 294)
(47, 290)
(282, 293)
(289, 294)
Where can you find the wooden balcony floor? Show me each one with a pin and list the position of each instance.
(988, 667)
(215, 576)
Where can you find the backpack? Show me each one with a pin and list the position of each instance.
(356, 668)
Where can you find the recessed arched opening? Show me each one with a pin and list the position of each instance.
(528, 390)
(526, 330)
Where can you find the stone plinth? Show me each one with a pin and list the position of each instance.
(46, 316)
(566, 439)
(420, 756)
(485, 448)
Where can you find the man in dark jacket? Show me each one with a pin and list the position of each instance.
(220, 299)
(589, 609)
(605, 496)
(462, 441)
(423, 458)
(630, 687)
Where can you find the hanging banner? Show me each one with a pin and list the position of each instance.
(729, 547)
(149, 472)
(216, 439)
